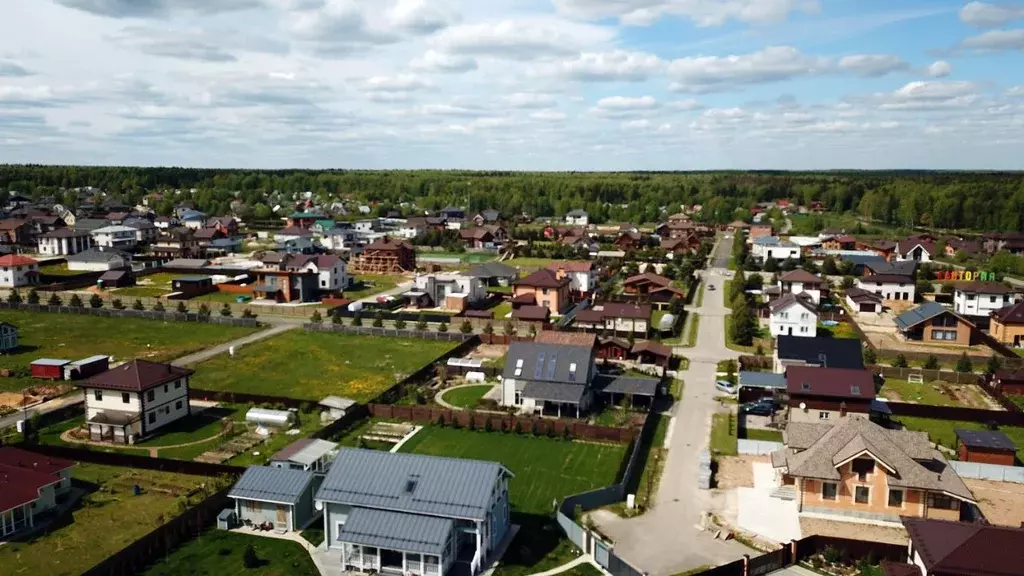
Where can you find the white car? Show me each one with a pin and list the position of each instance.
(725, 386)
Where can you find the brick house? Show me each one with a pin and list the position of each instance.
(1006, 325)
(547, 290)
(859, 471)
(933, 323)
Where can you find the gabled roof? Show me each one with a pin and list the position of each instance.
(976, 549)
(571, 266)
(652, 347)
(537, 361)
(272, 484)
(649, 277)
(293, 231)
(831, 352)
(530, 312)
(16, 260)
(626, 310)
(12, 223)
(566, 338)
(860, 296)
(985, 439)
(762, 380)
(985, 288)
(387, 244)
(414, 483)
(842, 383)
(396, 531)
(923, 313)
(304, 451)
(888, 279)
(135, 376)
(28, 460)
(789, 299)
(65, 233)
(542, 278)
(802, 276)
(1012, 314)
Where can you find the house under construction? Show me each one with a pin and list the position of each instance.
(384, 256)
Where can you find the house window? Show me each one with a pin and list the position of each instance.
(970, 296)
(126, 397)
(945, 320)
(152, 417)
(803, 329)
(98, 395)
(862, 495)
(944, 335)
(895, 498)
(942, 502)
(545, 291)
(150, 395)
(177, 405)
(165, 388)
(252, 506)
(823, 415)
(177, 384)
(519, 398)
(829, 490)
(862, 467)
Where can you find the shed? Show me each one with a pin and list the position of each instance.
(281, 497)
(312, 454)
(336, 406)
(193, 285)
(268, 417)
(86, 367)
(756, 385)
(116, 279)
(985, 446)
(48, 368)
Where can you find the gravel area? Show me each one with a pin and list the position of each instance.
(737, 471)
(1001, 502)
(852, 530)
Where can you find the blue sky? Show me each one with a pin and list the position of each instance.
(514, 84)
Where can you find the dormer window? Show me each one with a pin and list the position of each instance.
(862, 467)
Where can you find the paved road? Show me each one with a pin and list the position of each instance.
(665, 540)
(222, 348)
(44, 408)
(403, 287)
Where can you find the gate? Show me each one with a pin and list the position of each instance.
(601, 552)
(768, 563)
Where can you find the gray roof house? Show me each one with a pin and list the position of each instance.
(549, 377)
(413, 514)
(282, 497)
(99, 259)
(306, 454)
(494, 273)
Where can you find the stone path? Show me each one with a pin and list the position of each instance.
(439, 397)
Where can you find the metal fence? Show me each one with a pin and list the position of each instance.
(129, 313)
(389, 332)
(994, 472)
(757, 447)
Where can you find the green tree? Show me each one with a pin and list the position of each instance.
(159, 306)
(744, 325)
(466, 327)
(117, 304)
(931, 363)
(488, 328)
(399, 324)
(182, 308)
(225, 310)
(442, 327)
(378, 318)
(870, 357)
(510, 329)
(33, 297)
(963, 364)
(204, 310)
(95, 301)
(847, 283)
(993, 365)
(770, 264)
(421, 322)
(316, 317)
(14, 297)
(76, 301)
(138, 305)
(357, 318)
(900, 361)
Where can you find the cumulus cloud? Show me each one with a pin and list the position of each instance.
(529, 100)
(421, 16)
(158, 8)
(395, 88)
(624, 106)
(872, 65)
(939, 69)
(930, 95)
(1015, 91)
(988, 15)
(434, 61)
(13, 70)
(614, 66)
(527, 38)
(548, 116)
(995, 41)
(193, 44)
(716, 73)
(703, 12)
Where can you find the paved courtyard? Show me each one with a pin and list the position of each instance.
(771, 518)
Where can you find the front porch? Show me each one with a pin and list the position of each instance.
(360, 558)
(16, 519)
(115, 427)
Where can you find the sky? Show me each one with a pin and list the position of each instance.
(514, 84)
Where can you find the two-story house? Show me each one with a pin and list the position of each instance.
(950, 548)
(116, 236)
(331, 271)
(180, 242)
(146, 231)
(30, 485)
(543, 288)
(581, 273)
(577, 218)
(64, 241)
(932, 322)
(799, 282)
(981, 299)
(134, 400)
(793, 315)
(889, 286)
(859, 471)
(450, 291)
(819, 394)
(772, 247)
(919, 249)
(412, 514)
(1006, 325)
(551, 375)
(818, 351)
(18, 271)
(616, 318)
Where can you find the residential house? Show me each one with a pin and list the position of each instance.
(933, 323)
(678, 230)
(340, 239)
(8, 337)
(1009, 381)
(531, 313)
(90, 224)
(192, 286)
(449, 291)
(280, 283)
(302, 220)
(488, 216)
(884, 248)
(494, 273)
(793, 315)
(753, 386)
(797, 282)
(166, 222)
(16, 231)
(949, 548)
(680, 246)
(452, 213)
(302, 245)
(628, 241)
(582, 275)
(413, 514)
(577, 218)
(145, 231)
(889, 286)
(134, 400)
(917, 248)
(863, 302)
(615, 317)
(819, 394)
(384, 256)
(116, 236)
(16, 271)
(611, 348)
(653, 288)
(550, 377)
(193, 219)
(546, 289)
(767, 247)
(31, 484)
(64, 241)
(651, 352)
(1006, 325)
(204, 236)
(99, 259)
(292, 233)
(583, 244)
(738, 226)
(331, 271)
(818, 351)
(281, 497)
(985, 446)
(224, 246)
(116, 279)
(967, 247)
(982, 298)
(486, 236)
(310, 454)
(227, 225)
(760, 231)
(859, 471)
(841, 242)
(178, 243)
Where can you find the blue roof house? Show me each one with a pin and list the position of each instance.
(280, 496)
(412, 514)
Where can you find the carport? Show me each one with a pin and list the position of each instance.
(615, 388)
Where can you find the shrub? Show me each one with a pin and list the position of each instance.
(248, 313)
(510, 330)
(95, 301)
(931, 363)
(440, 420)
(225, 310)
(54, 300)
(399, 324)
(533, 331)
(963, 364)
(204, 311)
(900, 361)
(181, 308)
(421, 322)
(357, 319)
(14, 297)
(137, 305)
(76, 301)
(33, 297)
(316, 318)
(117, 304)
(378, 319)
(488, 329)
(870, 357)
(159, 306)
(466, 327)
(442, 327)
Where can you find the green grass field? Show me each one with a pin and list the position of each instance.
(218, 298)
(528, 265)
(903, 391)
(546, 469)
(942, 431)
(73, 337)
(467, 397)
(370, 284)
(217, 553)
(309, 365)
(105, 521)
(59, 270)
(723, 434)
(841, 330)
(140, 292)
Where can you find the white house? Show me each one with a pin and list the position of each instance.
(766, 247)
(99, 260)
(32, 484)
(577, 218)
(581, 273)
(863, 302)
(64, 241)
(981, 298)
(793, 316)
(888, 286)
(18, 271)
(332, 272)
(134, 400)
(440, 286)
(800, 281)
(339, 239)
(916, 249)
(122, 237)
(146, 231)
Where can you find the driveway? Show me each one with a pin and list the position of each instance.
(665, 540)
(771, 518)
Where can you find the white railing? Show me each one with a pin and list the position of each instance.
(994, 472)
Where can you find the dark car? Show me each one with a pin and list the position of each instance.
(759, 408)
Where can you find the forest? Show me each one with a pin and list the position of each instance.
(980, 201)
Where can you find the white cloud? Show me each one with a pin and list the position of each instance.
(614, 66)
(872, 65)
(930, 95)
(521, 39)
(703, 12)
(626, 103)
(939, 69)
(637, 124)
(716, 73)
(529, 100)
(434, 61)
(397, 88)
(158, 8)
(13, 70)
(548, 116)
(995, 40)
(193, 44)
(988, 15)
(422, 16)
(1015, 91)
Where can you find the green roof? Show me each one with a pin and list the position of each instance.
(305, 215)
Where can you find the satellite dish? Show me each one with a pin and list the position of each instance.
(319, 505)
(803, 406)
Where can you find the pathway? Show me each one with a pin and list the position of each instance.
(439, 397)
(584, 559)
(212, 351)
(41, 408)
(403, 287)
(665, 540)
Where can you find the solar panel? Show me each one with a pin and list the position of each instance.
(539, 367)
(551, 366)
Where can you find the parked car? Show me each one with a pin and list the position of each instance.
(725, 386)
(711, 287)
(759, 408)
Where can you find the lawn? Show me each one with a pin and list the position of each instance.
(546, 469)
(108, 519)
(766, 343)
(841, 330)
(941, 431)
(903, 391)
(369, 284)
(309, 422)
(723, 434)
(218, 298)
(73, 337)
(688, 340)
(218, 553)
(530, 264)
(1018, 400)
(311, 365)
(501, 311)
(464, 257)
(59, 270)
(140, 292)
(467, 397)
(699, 299)
(762, 435)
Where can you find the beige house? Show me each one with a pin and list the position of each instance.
(1007, 324)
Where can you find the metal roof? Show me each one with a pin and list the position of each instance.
(821, 351)
(989, 439)
(452, 487)
(337, 402)
(90, 359)
(305, 451)
(554, 392)
(627, 385)
(549, 362)
(762, 380)
(270, 484)
(49, 362)
(396, 530)
(924, 312)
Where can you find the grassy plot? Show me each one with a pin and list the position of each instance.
(108, 519)
(723, 434)
(369, 284)
(309, 365)
(73, 337)
(530, 264)
(942, 431)
(217, 553)
(468, 396)
(59, 270)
